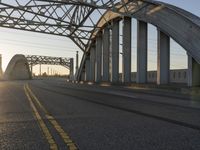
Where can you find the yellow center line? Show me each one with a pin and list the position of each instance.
(47, 134)
(67, 140)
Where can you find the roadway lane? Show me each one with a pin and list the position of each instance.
(18, 128)
(97, 118)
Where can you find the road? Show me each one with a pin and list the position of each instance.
(55, 114)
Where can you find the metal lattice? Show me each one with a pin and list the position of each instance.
(76, 19)
(47, 60)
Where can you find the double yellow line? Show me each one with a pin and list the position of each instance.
(34, 103)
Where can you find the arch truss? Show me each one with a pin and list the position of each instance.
(47, 60)
(75, 19)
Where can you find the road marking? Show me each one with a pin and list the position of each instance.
(47, 134)
(67, 140)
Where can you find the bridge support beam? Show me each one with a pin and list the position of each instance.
(115, 52)
(83, 76)
(71, 69)
(141, 52)
(98, 57)
(193, 72)
(163, 59)
(87, 69)
(106, 54)
(1, 72)
(127, 50)
(92, 63)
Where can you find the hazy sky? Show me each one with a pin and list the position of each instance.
(21, 42)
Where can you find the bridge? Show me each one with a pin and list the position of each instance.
(97, 111)
(21, 67)
(73, 19)
(48, 60)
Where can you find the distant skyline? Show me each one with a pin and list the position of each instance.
(22, 42)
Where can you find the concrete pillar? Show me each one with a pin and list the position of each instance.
(92, 63)
(1, 71)
(163, 59)
(71, 69)
(87, 69)
(127, 50)
(193, 72)
(141, 52)
(83, 76)
(77, 61)
(98, 57)
(115, 51)
(106, 53)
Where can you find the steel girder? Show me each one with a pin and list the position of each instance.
(47, 60)
(75, 19)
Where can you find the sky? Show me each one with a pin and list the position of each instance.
(28, 43)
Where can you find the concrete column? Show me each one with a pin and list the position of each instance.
(163, 59)
(106, 53)
(77, 61)
(92, 63)
(115, 51)
(98, 57)
(87, 69)
(71, 69)
(1, 71)
(193, 72)
(127, 50)
(141, 52)
(83, 76)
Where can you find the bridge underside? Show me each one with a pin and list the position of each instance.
(94, 27)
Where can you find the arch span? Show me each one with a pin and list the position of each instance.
(175, 22)
(17, 69)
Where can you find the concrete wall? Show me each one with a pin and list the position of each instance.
(17, 69)
(176, 76)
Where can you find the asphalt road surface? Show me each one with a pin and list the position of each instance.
(54, 114)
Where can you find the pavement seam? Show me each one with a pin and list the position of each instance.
(42, 125)
(65, 137)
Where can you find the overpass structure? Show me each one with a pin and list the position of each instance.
(48, 60)
(94, 26)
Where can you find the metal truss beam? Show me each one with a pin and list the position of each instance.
(75, 19)
(47, 60)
